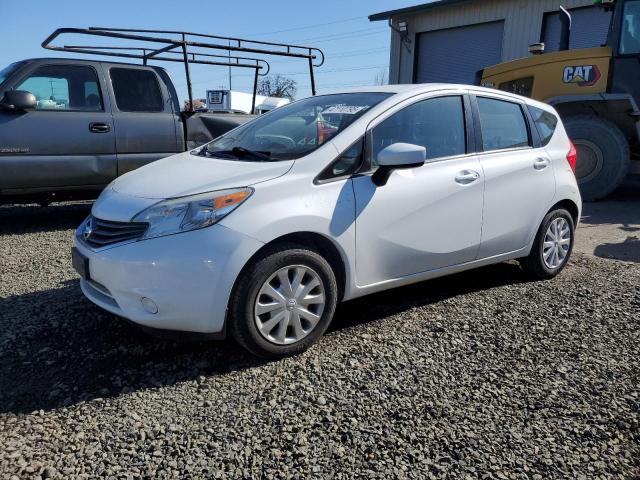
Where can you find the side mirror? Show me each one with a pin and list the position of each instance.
(18, 100)
(398, 156)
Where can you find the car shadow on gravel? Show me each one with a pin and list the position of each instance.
(390, 302)
(19, 219)
(57, 349)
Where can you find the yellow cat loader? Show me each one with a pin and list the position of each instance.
(595, 90)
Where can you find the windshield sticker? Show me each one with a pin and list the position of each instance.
(345, 109)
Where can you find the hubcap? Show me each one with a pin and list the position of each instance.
(289, 305)
(557, 242)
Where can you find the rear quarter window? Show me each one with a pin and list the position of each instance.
(545, 122)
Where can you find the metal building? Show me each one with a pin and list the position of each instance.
(450, 40)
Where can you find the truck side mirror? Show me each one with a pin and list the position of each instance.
(18, 100)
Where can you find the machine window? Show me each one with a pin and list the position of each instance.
(630, 39)
(545, 122)
(436, 124)
(64, 87)
(503, 124)
(521, 86)
(136, 90)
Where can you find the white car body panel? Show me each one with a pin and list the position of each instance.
(515, 192)
(421, 225)
(399, 226)
(190, 174)
(191, 286)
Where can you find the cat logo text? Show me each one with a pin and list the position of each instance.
(582, 75)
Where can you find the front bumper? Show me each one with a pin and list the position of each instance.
(188, 277)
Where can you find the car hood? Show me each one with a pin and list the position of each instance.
(186, 174)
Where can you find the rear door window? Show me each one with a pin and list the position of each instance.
(503, 124)
(545, 122)
(136, 90)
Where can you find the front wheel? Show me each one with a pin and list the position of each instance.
(283, 301)
(552, 247)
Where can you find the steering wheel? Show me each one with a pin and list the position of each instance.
(279, 140)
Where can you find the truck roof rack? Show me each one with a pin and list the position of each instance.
(187, 48)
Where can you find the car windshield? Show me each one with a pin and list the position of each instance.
(294, 130)
(7, 71)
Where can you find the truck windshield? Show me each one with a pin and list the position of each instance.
(630, 39)
(7, 71)
(295, 130)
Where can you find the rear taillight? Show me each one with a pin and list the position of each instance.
(572, 156)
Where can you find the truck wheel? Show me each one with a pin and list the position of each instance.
(603, 155)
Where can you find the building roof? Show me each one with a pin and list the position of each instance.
(414, 9)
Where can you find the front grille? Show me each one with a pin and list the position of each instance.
(100, 233)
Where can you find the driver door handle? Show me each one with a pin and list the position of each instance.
(98, 127)
(466, 177)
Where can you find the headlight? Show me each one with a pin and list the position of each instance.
(183, 214)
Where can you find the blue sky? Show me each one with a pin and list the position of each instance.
(356, 49)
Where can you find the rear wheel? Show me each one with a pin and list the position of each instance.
(552, 247)
(283, 301)
(603, 155)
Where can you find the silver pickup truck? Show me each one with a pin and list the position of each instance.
(69, 127)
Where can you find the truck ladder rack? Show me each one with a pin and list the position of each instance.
(180, 43)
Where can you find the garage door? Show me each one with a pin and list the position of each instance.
(589, 28)
(456, 54)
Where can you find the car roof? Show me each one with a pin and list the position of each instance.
(420, 88)
(409, 90)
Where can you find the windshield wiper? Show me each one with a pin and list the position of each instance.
(266, 156)
(235, 153)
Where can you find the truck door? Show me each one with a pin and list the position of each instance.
(67, 141)
(145, 124)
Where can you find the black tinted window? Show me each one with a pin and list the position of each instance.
(136, 90)
(545, 122)
(64, 87)
(345, 164)
(436, 124)
(503, 124)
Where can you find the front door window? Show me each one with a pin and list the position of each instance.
(64, 87)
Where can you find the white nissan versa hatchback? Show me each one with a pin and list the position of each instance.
(261, 232)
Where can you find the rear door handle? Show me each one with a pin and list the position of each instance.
(97, 127)
(466, 177)
(541, 163)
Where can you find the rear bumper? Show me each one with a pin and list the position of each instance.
(186, 277)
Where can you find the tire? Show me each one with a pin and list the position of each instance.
(605, 155)
(244, 320)
(535, 263)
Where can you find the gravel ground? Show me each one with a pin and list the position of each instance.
(479, 375)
